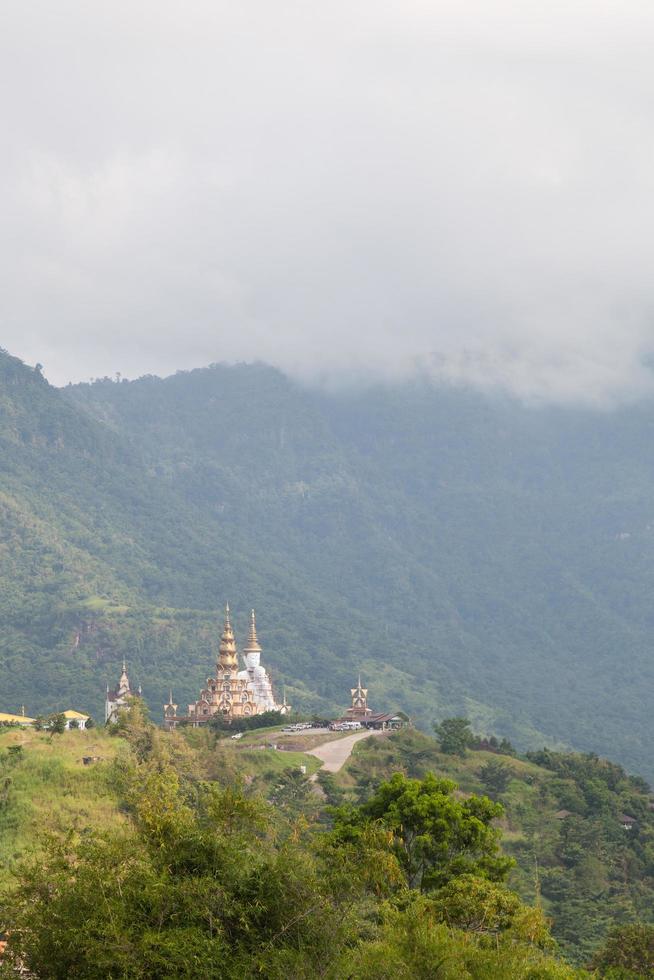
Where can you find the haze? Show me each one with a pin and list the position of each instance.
(344, 190)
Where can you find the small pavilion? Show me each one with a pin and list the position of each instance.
(361, 712)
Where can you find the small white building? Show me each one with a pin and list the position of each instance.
(75, 716)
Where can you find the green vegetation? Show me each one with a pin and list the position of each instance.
(45, 788)
(268, 719)
(471, 556)
(563, 825)
(207, 843)
(187, 842)
(495, 777)
(207, 877)
(435, 837)
(454, 735)
(628, 953)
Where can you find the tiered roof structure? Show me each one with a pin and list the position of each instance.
(232, 693)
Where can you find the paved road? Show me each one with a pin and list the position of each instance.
(335, 754)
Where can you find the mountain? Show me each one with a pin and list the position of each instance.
(467, 553)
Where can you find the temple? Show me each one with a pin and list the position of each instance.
(360, 711)
(233, 693)
(119, 699)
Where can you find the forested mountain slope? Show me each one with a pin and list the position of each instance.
(500, 555)
(479, 556)
(104, 554)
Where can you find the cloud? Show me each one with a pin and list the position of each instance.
(344, 190)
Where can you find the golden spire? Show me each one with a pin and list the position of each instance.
(359, 694)
(253, 645)
(227, 656)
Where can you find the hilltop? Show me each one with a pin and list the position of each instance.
(563, 820)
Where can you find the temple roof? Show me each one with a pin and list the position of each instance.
(227, 655)
(253, 645)
(358, 691)
(119, 695)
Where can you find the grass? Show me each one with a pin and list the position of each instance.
(298, 741)
(264, 761)
(44, 786)
(97, 603)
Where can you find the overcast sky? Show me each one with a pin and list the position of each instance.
(338, 188)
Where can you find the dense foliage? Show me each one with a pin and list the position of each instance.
(628, 953)
(564, 824)
(206, 879)
(435, 836)
(175, 854)
(454, 735)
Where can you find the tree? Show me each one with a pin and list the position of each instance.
(293, 793)
(495, 776)
(485, 907)
(56, 724)
(628, 952)
(412, 942)
(197, 887)
(133, 724)
(434, 835)
(334, 793)
(267, 719)
(454, 735)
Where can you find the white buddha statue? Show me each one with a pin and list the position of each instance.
(255, 674)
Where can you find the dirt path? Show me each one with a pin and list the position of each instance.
(334, 755)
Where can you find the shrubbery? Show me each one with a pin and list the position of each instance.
(208, 881)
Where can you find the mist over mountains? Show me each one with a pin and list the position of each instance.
(339, 189)
(467, 553)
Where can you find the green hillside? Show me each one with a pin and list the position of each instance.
(563, 825)
(561, 820)
(468, 554)
(472, 554)
(174, 858)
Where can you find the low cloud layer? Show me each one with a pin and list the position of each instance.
(342, 189)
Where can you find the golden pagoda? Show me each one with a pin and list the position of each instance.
(228, 694)
(227, 652)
